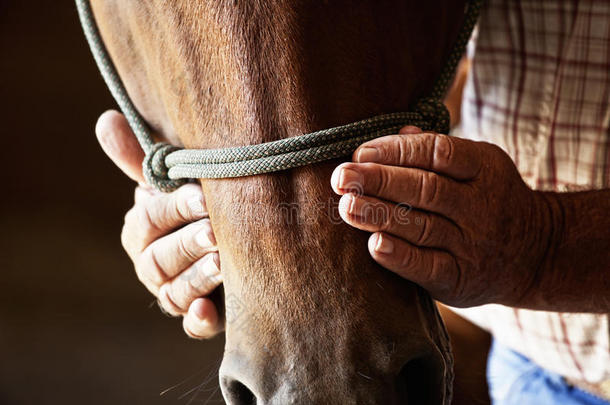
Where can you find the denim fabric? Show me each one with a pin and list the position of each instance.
(514, 380)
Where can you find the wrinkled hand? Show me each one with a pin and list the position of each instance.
(167, 236)
(451, 215)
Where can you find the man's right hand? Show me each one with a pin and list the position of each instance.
(167, 236)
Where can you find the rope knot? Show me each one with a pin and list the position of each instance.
(155, 170)
(435, 113)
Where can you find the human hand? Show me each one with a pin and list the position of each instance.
(167, 236)
(451, 215)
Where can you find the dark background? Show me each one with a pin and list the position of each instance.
(76, 327)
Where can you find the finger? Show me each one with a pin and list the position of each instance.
(166, 303)
(120, 144)
(156, 214)
(199, 280)
(143, 194)
(434, 270)
(201, 321)
(451, 156)
(419, 188)
(416, 227)
(410, 129)
(165, 258)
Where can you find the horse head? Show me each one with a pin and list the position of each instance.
(310, 317)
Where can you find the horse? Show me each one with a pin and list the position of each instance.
(310, 317)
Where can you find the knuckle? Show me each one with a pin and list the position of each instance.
(383, 184)
(436, 269)
(150, 269)
(162, 307)
(206, 225)
(197, 286)
(405, 151)
(180, 204)
(442, 151)
(185, 247)
(189, 286)
(138, 221)
(460, 288)
(407, 259)
(429, 188)
(425, 234)
(167, 309)
(386, 218)
(191, 291)
(168, 302)
(385, 150)
(441, 264)
(440, 276)
(148, 217)
(209, 279)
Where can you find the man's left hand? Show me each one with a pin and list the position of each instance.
(451, 215)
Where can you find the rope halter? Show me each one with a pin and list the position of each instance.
(167, 167)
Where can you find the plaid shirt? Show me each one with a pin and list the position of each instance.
(539, 88)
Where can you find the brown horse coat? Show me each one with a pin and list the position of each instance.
(310, 317)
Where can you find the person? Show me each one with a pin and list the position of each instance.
(516, 231)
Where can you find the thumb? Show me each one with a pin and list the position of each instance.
(409, 130)
(120, 144)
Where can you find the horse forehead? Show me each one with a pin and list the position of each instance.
(206, 67)
(214, 73)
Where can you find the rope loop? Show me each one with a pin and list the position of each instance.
(155, 169)
(435, 113)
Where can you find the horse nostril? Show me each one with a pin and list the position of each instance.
(237, 393)
(420, 382)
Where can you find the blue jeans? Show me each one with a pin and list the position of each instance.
(514, 380)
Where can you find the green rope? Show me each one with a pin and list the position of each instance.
(290, 152)
(166, 167)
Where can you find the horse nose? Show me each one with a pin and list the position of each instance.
(236, 392)
(415, 384)
(421, 380)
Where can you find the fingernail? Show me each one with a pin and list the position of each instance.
(367, 154)
(346, 204)
(384, 245)
(197, 308)
(163, 290)
(205, 238)
(349, 204)
(195, 204)
(211, 270)
(350, 179)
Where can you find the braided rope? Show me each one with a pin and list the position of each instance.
(166, 167)
(471, 16)
(111, 77)
(294, 152)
